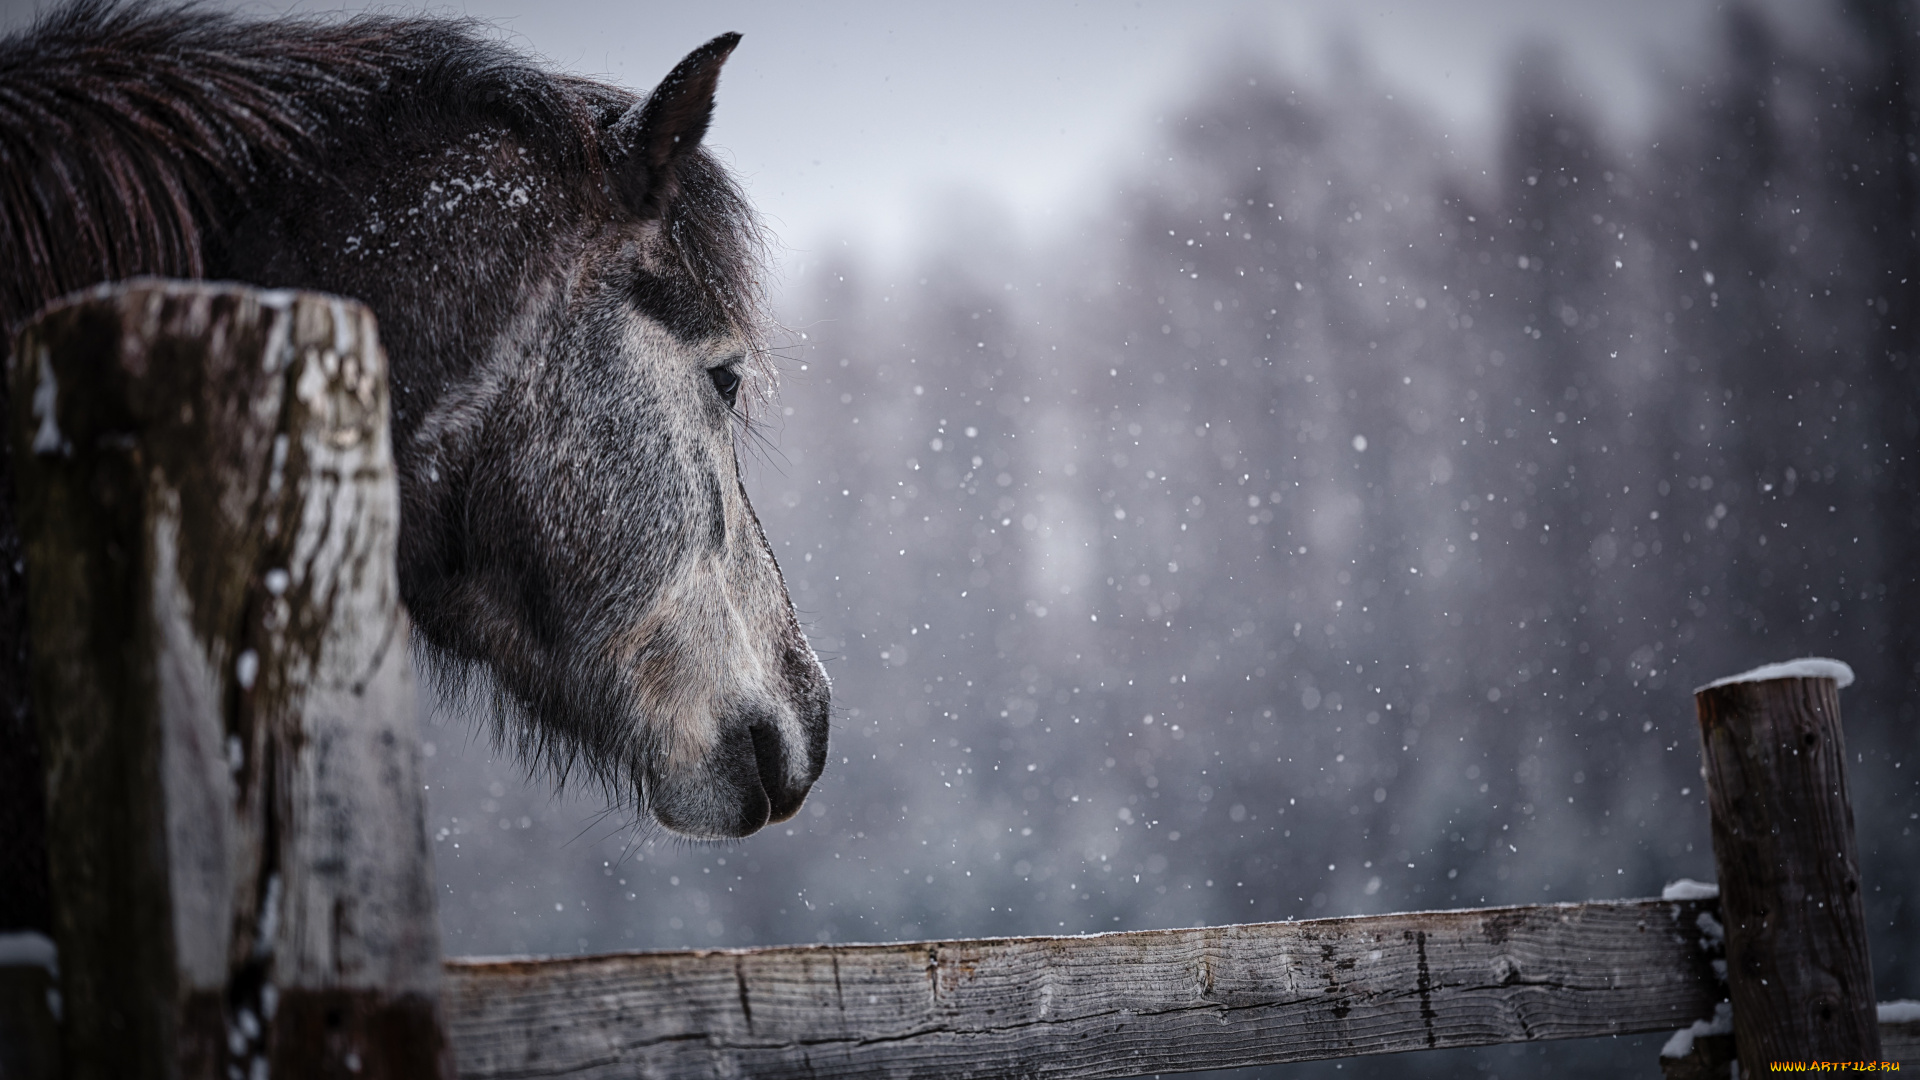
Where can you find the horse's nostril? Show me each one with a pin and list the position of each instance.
(770, 760)
(771, 757)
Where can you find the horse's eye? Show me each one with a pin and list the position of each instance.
(727, 381)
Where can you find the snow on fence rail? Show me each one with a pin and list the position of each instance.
(241, 870)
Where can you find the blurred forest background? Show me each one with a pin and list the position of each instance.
(1334, 520)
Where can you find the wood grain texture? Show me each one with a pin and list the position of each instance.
(1798, 971)
(1102, 1006)
(235, 825)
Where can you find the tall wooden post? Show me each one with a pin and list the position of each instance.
(1797, 966)
(236, 832)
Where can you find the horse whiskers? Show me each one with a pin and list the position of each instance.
(761, 447)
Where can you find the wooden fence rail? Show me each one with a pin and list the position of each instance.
(1105, 1005)
(1100, 1006)
(241, 875)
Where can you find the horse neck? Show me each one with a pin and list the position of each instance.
(106, 179)
(101, 178)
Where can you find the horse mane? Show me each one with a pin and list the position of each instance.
(132, 133)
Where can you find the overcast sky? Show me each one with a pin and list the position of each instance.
(851, 119)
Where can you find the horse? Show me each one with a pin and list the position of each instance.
(571, 292)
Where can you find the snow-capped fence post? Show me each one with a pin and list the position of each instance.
(236, 840)
(1798, 972)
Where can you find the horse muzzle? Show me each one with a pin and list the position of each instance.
(758, 772)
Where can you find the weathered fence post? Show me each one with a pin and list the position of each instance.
(1798, 972)
(236, 831)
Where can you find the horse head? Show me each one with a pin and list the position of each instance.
(574, 521)
(569, 292)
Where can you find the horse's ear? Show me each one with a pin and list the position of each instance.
(649, 141)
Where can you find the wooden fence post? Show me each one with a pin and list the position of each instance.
(236, 830)
(1798, 972)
